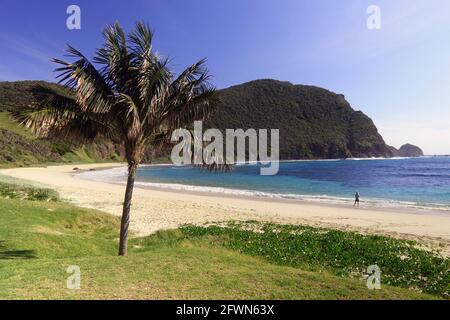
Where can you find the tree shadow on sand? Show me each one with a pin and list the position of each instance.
(6, 254)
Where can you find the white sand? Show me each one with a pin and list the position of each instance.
(153, 210)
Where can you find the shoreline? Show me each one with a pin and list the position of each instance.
(326, 201)
(159, 208)
(363, 206)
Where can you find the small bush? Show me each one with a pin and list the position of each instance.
(60, 148)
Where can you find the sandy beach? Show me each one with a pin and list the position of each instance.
(162, 209)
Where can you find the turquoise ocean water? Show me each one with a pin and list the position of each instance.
(410, 182)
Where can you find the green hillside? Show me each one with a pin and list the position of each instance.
(20, 147)
(313, 122)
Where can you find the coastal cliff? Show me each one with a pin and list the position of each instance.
(314, 123)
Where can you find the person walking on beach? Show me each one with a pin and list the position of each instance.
(356, 204)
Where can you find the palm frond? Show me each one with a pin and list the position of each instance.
(115, 58)
(129, 114)
(92, 93)
(190, 106)
(57, 114)
(192, 73)
(141, 39)
(153, 80)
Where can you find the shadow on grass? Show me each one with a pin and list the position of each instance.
(15, 254)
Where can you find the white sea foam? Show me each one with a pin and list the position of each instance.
(327, 160)
(107, 175)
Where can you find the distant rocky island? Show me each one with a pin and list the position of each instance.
(314, 123)
(409, 150)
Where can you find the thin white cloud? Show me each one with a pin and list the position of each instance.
(26, 48)
(34, 57)
(404, 24)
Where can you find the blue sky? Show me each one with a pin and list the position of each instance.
(399, 75)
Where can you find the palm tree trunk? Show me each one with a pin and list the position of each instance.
(123, 247)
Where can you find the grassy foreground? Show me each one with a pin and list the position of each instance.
(40, 239)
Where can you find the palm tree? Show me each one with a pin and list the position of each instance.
(132, 97)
